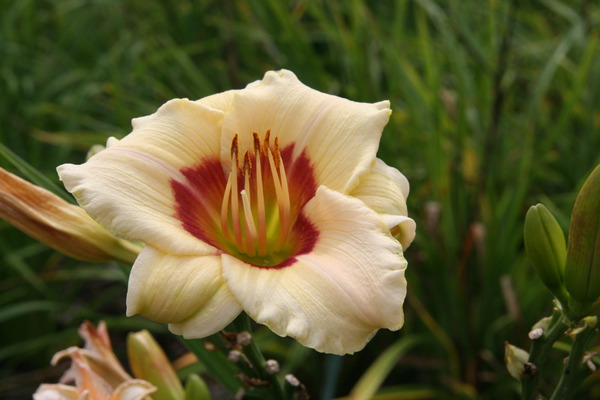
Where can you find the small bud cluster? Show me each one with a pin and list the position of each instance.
(571, 272)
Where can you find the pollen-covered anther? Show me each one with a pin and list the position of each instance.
(252, 231)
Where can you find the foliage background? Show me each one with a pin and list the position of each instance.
(496, 107)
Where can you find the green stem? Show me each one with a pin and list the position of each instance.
(216, 363)
(539, 352)
(574, 371)
(256, 358)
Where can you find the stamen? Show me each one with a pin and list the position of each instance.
(256, 140)
(284, 211)
(277, 154)
(284, 206)
(235, 209)
(250, 227)
(225, 209)
(235, 145)
(260, 199)
(276, 182)
(265, 145)
(250, 234)
(247, 164)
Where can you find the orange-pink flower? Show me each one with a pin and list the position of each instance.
(95, 371)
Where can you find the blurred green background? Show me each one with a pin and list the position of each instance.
(496, 106)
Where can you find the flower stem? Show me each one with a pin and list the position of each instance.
(574, 371)
(539, 352)
(216, 363)
(256, 358)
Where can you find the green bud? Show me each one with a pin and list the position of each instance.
(546, 249)
(582, 273)
(196, 388)
(149, 362)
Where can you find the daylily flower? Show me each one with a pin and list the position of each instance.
(58, 224)
(268, 200)
(96, 372)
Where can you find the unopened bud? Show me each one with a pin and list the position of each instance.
(582, 273)
(272, 367)
(234, 356)
(537, 330)
(292, 380)
(61, 225)
(546, 248)
(536, 333)
(515, 360)
(196, 388)
(149, 362)
(244, 338)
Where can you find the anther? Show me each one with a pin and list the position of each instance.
(234, 149)
(247, 164)
(276, 153)
(257, 146)
(265, 146)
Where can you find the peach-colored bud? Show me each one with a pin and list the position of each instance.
(58, 224)
(149, 362)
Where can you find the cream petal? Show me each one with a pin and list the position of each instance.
(384, 189)
(135, 389)
(179, 133)
(56, 392)
(165, 287)
(219, 101)
(334, 298)
(220, 310)
(402, 228)
(340, 136)
(127, 187)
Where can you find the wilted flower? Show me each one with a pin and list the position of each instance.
(516, 361)
(58, 224)
(95, 370)
(268, 199)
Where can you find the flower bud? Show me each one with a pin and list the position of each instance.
(272, 367)
(582, 273)
(58, 224)
(196, 389)
(149, 362)
(546, 248)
